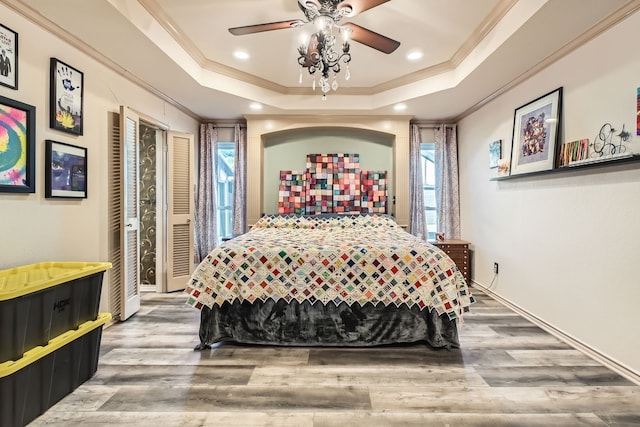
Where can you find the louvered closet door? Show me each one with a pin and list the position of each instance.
(130, 267)
(180, 202)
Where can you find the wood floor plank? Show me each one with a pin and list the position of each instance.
(509, 400)
(178, 419)
(170, 375)
(369, 376)
(227, 356)
(370, 419)
(543, 376)
(225, 398)
(546, 357)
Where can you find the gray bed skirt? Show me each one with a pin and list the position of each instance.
(304, 324)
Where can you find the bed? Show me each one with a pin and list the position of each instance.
(328, 280)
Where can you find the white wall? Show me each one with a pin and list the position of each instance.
(567, 243)
(35, 229)
(288, 151)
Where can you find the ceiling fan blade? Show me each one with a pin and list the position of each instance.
(359, 6)
(371, 38)
(250, 29)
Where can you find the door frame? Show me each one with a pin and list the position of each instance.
(162, 130)
(161, 206)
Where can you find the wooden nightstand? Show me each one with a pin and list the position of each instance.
(459, 252)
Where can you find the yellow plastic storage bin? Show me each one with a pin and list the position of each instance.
(41, 301)
(46, 374)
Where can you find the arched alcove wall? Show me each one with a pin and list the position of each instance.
(287, 150)
(274, 139)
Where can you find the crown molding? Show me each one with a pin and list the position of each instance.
(603, 25)
(485, 27)
(42, 21)
(166, 22)
(481, 32)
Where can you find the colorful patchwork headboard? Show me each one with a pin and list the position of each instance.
(332, 183)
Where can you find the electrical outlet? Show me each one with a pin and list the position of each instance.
(495, 267)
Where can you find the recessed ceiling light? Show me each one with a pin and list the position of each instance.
(400, 107)
(255, 106)
(241, 54)
(414, 55)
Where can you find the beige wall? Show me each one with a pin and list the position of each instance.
(260, 127)
(35, 229)
(567, 243)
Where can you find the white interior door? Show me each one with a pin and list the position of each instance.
(180, 203)
(130, 270)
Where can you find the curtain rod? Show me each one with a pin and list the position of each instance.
(432, 125)
(225, 123)
(435, 127)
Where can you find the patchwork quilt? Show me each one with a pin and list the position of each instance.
(357, 259)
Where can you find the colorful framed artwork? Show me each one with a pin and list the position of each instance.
(65, 101)
(638, 112)
(504, 166)
(535, 134)
(8, 57)
(17, 147)
(495, 153)
(65, 170)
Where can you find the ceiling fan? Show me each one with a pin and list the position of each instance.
(333, 10)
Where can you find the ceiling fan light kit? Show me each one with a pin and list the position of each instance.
(319, 53)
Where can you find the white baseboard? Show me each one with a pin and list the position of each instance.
(610, 363)
(147, 288)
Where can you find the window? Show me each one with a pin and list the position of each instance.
(225, 160)
(427, 153)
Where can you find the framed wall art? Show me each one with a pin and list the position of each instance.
(65, 102)
(495, 153)
(65, 170)
(8, 57)
(638, 112)
(17, 146)
(535, 134)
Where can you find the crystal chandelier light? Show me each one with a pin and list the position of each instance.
(318, 54)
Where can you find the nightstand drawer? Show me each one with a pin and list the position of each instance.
(452, 247)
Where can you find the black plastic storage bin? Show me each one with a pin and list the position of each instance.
(44, 375)
(41, 301)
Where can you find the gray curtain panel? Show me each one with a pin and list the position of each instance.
(239, 223)
(417, 222)
(205, 221)
(447, 194)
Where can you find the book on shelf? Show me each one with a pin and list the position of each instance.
(573, 151)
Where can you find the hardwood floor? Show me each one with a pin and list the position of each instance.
(507, 373)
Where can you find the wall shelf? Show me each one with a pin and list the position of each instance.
(635, 158)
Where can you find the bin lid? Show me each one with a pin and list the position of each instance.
(37, 353)
(19, 281)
